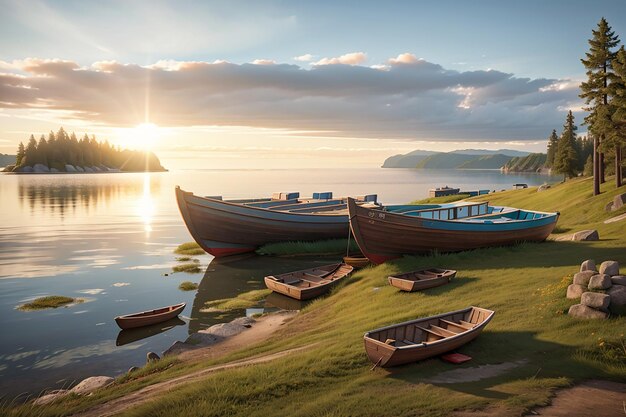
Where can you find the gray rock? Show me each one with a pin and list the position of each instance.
(543, 187)
(600, 282)
(51, 396)
(177, 347)
(609, 267)
(583, 312)
(575, 291)
(132, 369)
(224, 329)
(26, 169)
(596, 300)
(54, 170)
(582, 278)
(609, 206)
(151, 356)
(70, 168)
(95, 169)
(618, 299)
(88, 169)
(202, 339)
(80, 169)
(618, 280)
(41, 168)
(619, 201)
(91, 384)
(588, 265)
(586, 235)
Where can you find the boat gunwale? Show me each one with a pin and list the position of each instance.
(135, 316)
(447, 273)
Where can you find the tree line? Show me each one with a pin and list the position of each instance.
(62, 149)
(568, 153)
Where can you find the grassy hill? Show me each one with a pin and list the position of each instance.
(524, 284)
(529, 163)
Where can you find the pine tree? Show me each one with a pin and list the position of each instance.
(588, 169)
(21, 152)
(595, 90)
(566, 159)
(30, 155)
(618, 101)
(553, 141)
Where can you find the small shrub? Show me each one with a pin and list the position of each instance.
(189, 248)
(51, 301)
(190, 268)
(188, 286)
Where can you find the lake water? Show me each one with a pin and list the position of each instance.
(109, 239)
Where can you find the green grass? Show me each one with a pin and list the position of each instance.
(190, 268)
(188, 286)
(50, 301)
(441, 200)
(187, 259)
(323, 247)
(243, 300)
(524, 284)
(189, 249)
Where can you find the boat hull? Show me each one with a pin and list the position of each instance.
(222, 228)
(300, 285)
(383, 236)
(132, 321)
(404, 283)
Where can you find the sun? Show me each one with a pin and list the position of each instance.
(144, 136)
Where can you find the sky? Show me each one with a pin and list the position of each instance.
(232, 84)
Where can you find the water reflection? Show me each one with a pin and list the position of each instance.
(275, 300)
(127, 336)
(145, 205)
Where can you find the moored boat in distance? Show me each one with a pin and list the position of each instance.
(423, 338)
(421, 279)
(308, 283)
(146, 318)
(229, 227)
(388, 234)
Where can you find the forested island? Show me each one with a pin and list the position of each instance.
(63, 152)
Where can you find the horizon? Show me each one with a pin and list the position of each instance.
(295, 85)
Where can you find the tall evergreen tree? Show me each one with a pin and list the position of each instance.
(30, 155)
(595, 90)
(618, 101)
(553, 141)
(21, 152)
(566, 159)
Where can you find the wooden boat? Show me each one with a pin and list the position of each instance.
(419, 339)
(146, 318)
(383, 235)
(356, 262)
(224, 228)
(422, 279)
(309, 283)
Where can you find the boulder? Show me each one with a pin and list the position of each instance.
(596, 300)
(588, 265)
(583, 312)
(178, 347)
(618, 280)
(54, 170)
(618, 299)
(151, 356)
(586, 235)
(609, 206)
(543, 187)
(132, 369)
(26, 168)
(575, 291)
(91, 384)
(88, 169)
(609, 267)
(582, 278)
(70, 168)
(619, 201)
(41, 168)
(79, 169)
(51, 396)
(600, 282)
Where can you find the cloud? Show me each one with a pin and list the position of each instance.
(407, 98)
(353, 58)
(264, 62)
(301, 58)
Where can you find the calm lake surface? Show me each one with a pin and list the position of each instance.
(109, 239)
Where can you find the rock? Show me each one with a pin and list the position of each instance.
(575, 291)
(202, 339)
(54, 170)
(543, 187)
(51, 396)
(88, 169)
(224, 329)
(132, 369)
(619, 201)
(588, 265)
(586, 235)
(618, 299)
(91, 384)
(600, 282)
(151, 356)
(70, 168)
(26, 169)
(583, 312)
(596, 300)
(41, 168)
(177, 348)
(95, 169)
(610, 268)
(609, 206)
(582, 278)
(618, 280)
(80, 169)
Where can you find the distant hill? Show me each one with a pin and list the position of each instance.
(534, 162)
(6, 160)
(459, 159)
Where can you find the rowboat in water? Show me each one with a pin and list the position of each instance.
(146, 318)
(309, 283)
(388, 234)
(228, 227)
(422, 279)
(420, 339)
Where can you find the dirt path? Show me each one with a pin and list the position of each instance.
(589, 399)
(261, 330)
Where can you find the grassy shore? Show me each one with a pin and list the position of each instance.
(323, 247)
(243, 300)
(524, 284)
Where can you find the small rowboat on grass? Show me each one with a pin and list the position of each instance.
(146, 318)
(309, 283)
(419, 339)
(422, 279)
